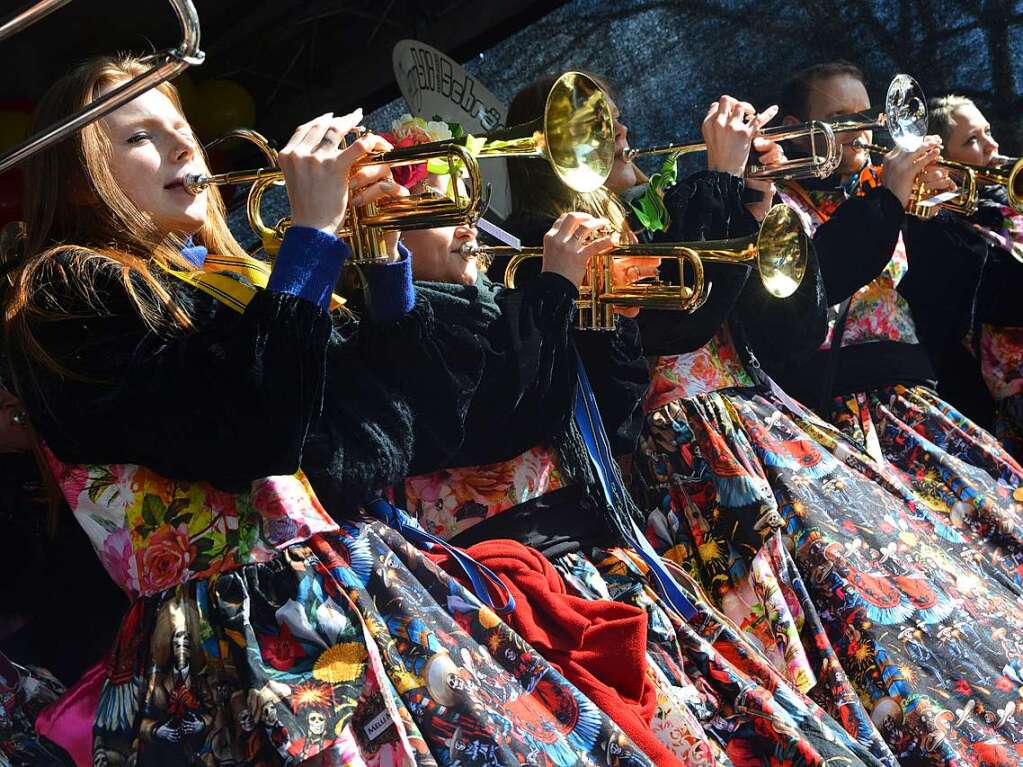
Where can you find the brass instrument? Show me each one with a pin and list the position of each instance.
(165, 65)
(825, 153)
(925, 203)
(575, 135)
(1005, 171)
(779, 251)
(905, 118)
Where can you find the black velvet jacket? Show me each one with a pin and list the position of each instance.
(853, 247)
(958, 281)
(240, 396)
(614, 360)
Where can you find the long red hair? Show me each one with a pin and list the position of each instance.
(73, 205)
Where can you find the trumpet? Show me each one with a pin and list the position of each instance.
(165, 65)
(904, 117)
(1007, 172)
(575, 135)
(779, 251)
(925, 203)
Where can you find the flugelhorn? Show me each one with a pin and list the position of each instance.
(904, 117)
(779, 251)
(165, 65)
(575, 135)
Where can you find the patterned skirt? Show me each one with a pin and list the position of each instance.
(889, 592)
(746, 714)
(350, 649)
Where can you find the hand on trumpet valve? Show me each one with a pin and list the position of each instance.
(317, 167)
(374, 183)
(902, 168)
(571, 242)
(728, 130)
(769, 154)
(935, 178)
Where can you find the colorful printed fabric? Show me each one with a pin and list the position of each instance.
(450, 501)
(716, 365)
(1001, 359)
(715, 704)
(1002, 227)
(152, 533)
(352, 648)
(877, 312)
(24, 692)
(939, 451)
(750, 715)
(347, 648)
(895, 588)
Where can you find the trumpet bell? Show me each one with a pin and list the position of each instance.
(905, 112)
(781, 251)
(578, 132)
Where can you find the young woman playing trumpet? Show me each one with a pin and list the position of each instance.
(968, 268)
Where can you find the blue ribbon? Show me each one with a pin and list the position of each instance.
(587, 418)
(477, 572)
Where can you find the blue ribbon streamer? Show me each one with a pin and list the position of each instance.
(591, 427)
(477, 572)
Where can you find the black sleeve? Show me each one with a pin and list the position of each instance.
(617, 368)
(363, 440)
(946, 261)
(705, 206)
(1001, 285)
(525, 395)
(227, 402)
(781, 330)
(856, 243)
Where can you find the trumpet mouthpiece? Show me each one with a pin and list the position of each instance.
(195, 182)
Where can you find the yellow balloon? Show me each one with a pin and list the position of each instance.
(220, 106)
(14, 128)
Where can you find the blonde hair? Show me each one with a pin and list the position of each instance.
(940, 111)
(73, 205)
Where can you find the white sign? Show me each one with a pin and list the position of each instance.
(434, 84)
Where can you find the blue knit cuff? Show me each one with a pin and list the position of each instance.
(308, 265)
(390, 294)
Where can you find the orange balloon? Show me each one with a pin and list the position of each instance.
(14, 127)
(221, 106)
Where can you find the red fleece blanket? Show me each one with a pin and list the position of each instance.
(598, 645)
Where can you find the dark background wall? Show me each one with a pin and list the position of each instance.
(668, 60)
